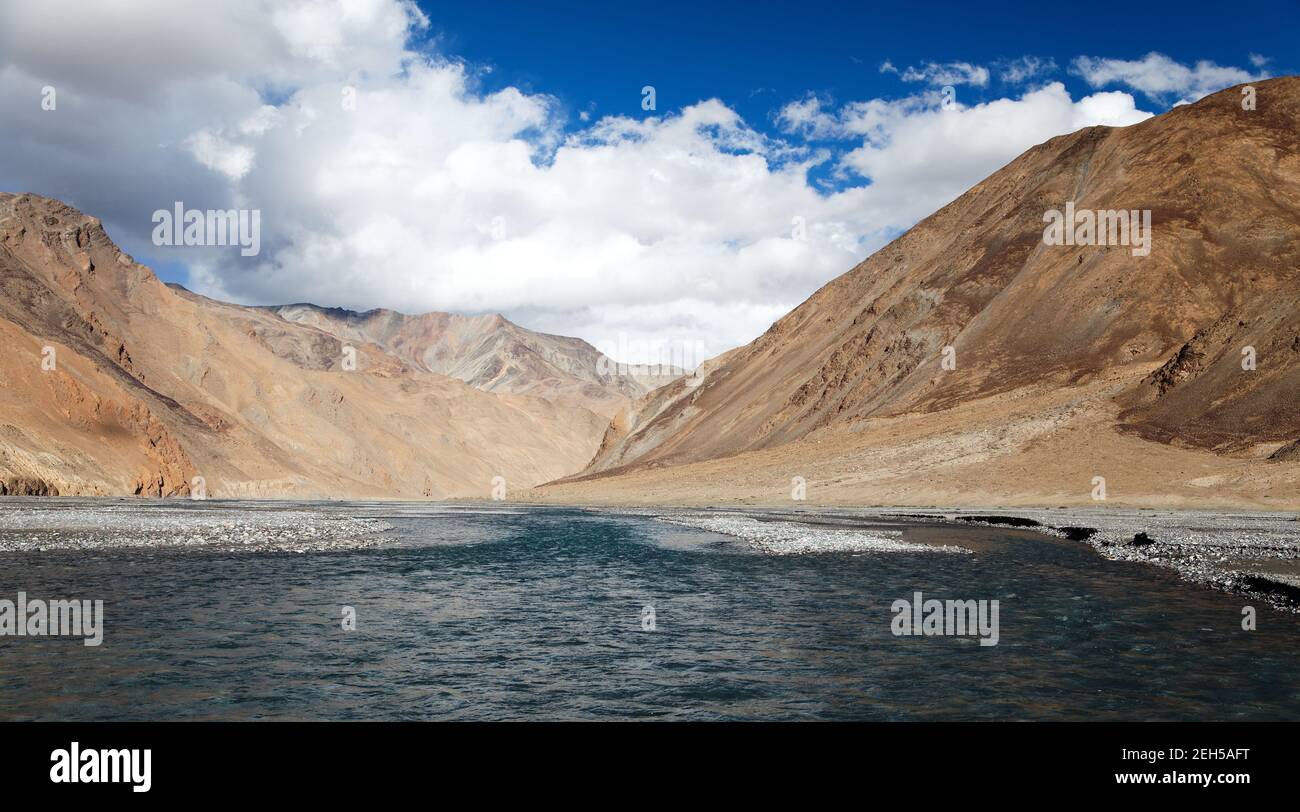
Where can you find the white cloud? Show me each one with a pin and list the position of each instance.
(434, 194)
(1161, 78)
(1021, 70)
(216, 153)
(951, 73)
(808, 118)
(920, 156)
(134, 50)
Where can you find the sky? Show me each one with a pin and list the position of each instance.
(663, 180)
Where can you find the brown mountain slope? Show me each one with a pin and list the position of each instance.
(1107, 345)
(487, 352)
(152, 387)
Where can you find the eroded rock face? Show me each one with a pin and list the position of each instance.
(113, 383)
(976, 280)
(19, 486)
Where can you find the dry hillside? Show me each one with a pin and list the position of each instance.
(1071, 361)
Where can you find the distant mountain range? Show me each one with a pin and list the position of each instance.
(489, 353)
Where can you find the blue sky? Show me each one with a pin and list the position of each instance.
(758, 55)
(498, 158)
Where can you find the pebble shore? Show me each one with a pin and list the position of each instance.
(1255, 555)
(212, 528)
(794, 538)
(1252, 554)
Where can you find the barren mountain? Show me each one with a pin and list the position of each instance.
(114, 383)
(487, 352)
(1065, 362)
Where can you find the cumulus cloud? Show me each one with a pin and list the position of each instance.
(429, 196)
(1160, 78)
(950, 73)
(135, 51)
(809, 118)
(386, 176)
(920, 155)
(1025, 68)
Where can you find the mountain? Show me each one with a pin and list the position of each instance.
(489, 353)
(1069, 361)
(114, 383)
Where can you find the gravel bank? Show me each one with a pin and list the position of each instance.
(210, 528)
(1252, 554)
(1256, 555)
(795, 538)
